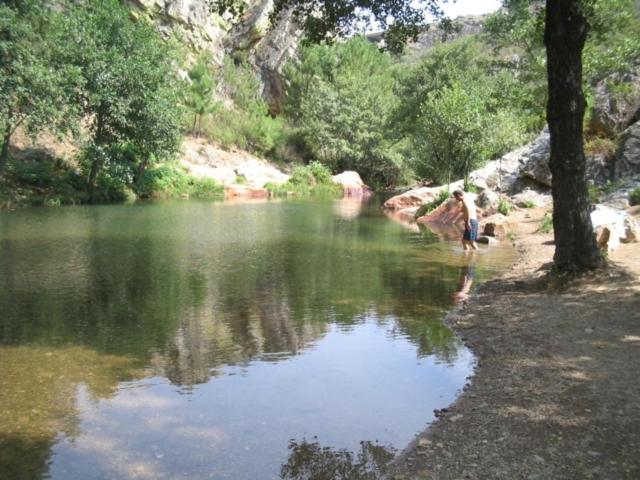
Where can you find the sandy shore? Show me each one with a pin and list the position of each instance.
(557, 391)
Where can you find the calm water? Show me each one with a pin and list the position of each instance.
(226, 341)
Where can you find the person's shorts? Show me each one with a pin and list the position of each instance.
(471, 234)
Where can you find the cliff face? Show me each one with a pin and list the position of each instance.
(266, 47)
(462, 27)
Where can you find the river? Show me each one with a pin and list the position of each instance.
(205, 340)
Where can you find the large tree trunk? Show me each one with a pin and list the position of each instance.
(4, 154)
(565, 34)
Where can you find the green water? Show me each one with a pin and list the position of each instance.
(215, 340)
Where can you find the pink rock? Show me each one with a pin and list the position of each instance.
(244, 192)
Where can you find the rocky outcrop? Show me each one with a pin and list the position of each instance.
(627, 161)
(203, 159)
(192, 20)
(617, 103)
(268, 47)
(448, 211)
(252, 37)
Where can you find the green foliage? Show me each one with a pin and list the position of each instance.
(546, 226)
(504, 207)
(339, 99)
(613, 44)
(458, 111)
(126, 91)
(41, 180)
(593, 192)
(34, 83)
(198, 94)
(246, 124)
(634, 196)
(312, 179)
(170, 180)
(527, 204)
(324, 20)
(613, 41)
(442, 197)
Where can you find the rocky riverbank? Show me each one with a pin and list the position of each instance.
(556, 394)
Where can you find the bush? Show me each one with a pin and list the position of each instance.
(546, 225)
(170, 180)
(314, 178)
(34, 173)
(600, 146)
(527, 204)
(634, 196)
(504, 207)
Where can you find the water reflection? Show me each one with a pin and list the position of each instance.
(467, 276)
(312, 461)
(209, 329)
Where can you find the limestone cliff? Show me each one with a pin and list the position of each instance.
(266, 47)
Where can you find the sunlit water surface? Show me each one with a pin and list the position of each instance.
(231, 341)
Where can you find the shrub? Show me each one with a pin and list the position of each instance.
(314, 178)
(527, 204)
(170, 180)
(600, 146)
(634, 196)
(546, 225)
(504, 207)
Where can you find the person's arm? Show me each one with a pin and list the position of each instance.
(465, 213)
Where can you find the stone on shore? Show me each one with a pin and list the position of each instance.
(498, 225)
(352, 184)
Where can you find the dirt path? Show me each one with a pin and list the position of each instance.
(557, 391)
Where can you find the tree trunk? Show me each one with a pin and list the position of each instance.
(564, 37)
(93, 176)
(4, 154)
(141, 169)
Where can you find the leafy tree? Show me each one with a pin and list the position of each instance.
(127, 72)
(339, 99)
(457, 111)
(198, 96)
(33, 83)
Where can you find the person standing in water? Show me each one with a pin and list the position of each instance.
(470, 221)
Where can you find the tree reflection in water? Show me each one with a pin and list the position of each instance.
(312, 461)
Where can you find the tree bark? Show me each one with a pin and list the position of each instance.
(565, 34)
(4, 154)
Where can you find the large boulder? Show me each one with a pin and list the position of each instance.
(498, 175)
(613, 226)
(627, 161)
(617, 103)
(536, 159)
(448, 212)
(499, 225)
(487, 199)
(352, 185)
(415, 198)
